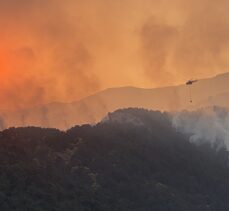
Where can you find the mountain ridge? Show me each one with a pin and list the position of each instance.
(91, 109)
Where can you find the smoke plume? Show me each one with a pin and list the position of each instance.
(210, 125)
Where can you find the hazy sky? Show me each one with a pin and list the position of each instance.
(55, 50)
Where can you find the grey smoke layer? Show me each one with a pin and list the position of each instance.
(210, 125)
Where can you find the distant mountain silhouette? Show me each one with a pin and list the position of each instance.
(206, 92)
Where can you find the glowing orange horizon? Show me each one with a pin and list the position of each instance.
(66, 50)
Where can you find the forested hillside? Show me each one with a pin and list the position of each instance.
(135, 161)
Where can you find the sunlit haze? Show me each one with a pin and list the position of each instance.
(54, 50)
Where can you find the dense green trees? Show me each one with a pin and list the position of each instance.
(115, 165)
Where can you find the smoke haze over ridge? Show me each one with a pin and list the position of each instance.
(208, 125)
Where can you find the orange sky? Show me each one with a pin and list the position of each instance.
(55, 50)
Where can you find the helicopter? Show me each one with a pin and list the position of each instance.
(190, 83)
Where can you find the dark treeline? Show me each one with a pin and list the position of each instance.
(115, 165)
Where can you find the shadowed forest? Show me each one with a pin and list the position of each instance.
(118, 165)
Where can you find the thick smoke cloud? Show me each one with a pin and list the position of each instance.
(210, 125)
(189, 41)
(158, 40)
(46, 57)
(54, 50)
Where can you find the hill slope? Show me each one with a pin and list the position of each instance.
(206, 92)
(117, 165)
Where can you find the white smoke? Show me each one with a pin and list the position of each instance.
(210, 125)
